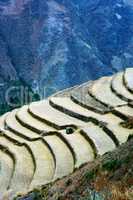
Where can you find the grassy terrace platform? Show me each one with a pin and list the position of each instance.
(68, 107)
(7, 168)
(101, 91)
(47, 114)
(12, 124)
(81, 97)
(125, 110)
(77, 140)
(27, 120)
(49, 139)
(118, 87)
(23, 170)
(43, 159)
(64, 157)
(100, 139)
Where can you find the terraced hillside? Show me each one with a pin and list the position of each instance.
(49, 139)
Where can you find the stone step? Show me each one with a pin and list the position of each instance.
(23, 134)
(100, 139)
(81, 97)
(30, 135)
(43, 158)
(37, 146)
(109, 121)
(128, 79)
(67, 106)
(64, 157)
(61, 141)
(74, 143)
(119, 88)
(7, 165)
(112, 124)
(60, 137)
(28, 121)
(120, 132)
(45, 163)
(13, 125)
(76, 140)
(24, 165)
(45, 176)
(39, 126)
(101, 90)
(51, 116)
(127, 111)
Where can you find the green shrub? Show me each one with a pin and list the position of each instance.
(90, 175)
(111, 165)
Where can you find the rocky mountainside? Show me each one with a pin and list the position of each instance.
(54, 44)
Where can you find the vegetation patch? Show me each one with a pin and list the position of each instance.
(90, 175)
(111, 165)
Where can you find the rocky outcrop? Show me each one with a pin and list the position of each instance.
(49, 139)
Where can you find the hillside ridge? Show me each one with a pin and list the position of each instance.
(49, 139)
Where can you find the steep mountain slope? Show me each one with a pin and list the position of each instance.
(53, 44)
